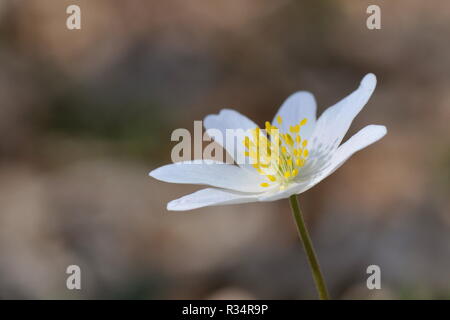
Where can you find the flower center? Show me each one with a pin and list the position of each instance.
(277, 156)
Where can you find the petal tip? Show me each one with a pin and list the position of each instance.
(369, 80)
(154, 173)
(222, 112)
(174, 206)
(382, 130)
(170, 206)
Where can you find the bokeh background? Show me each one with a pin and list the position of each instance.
(85, 115)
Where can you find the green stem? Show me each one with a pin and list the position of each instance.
(307, 244)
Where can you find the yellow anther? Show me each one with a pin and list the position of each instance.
(289, 139)
(279, 120)
(277, 156)
(255, 133)
(294, 129)
(246, 142)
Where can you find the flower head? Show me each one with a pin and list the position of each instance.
(288, 156)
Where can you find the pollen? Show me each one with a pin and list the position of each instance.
(279, 120)
(300, 162)
(289, 139)
(277, 156)
(247, 142)
(294, 129)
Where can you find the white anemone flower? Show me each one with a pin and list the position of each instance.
(309, 150)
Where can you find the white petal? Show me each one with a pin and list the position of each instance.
(360, 140)
(333, 124)
(281, 194)
(297, 107)
(210, 197)
(219, 175)
(230, 119)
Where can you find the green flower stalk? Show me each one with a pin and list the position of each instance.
(309, 249)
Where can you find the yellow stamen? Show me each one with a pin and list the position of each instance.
(247, 142)
(279, 120)
(277, 156)
(294, 129)
(300, 162)
(289, 139)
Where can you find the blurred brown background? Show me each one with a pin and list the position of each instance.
(84, 115)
